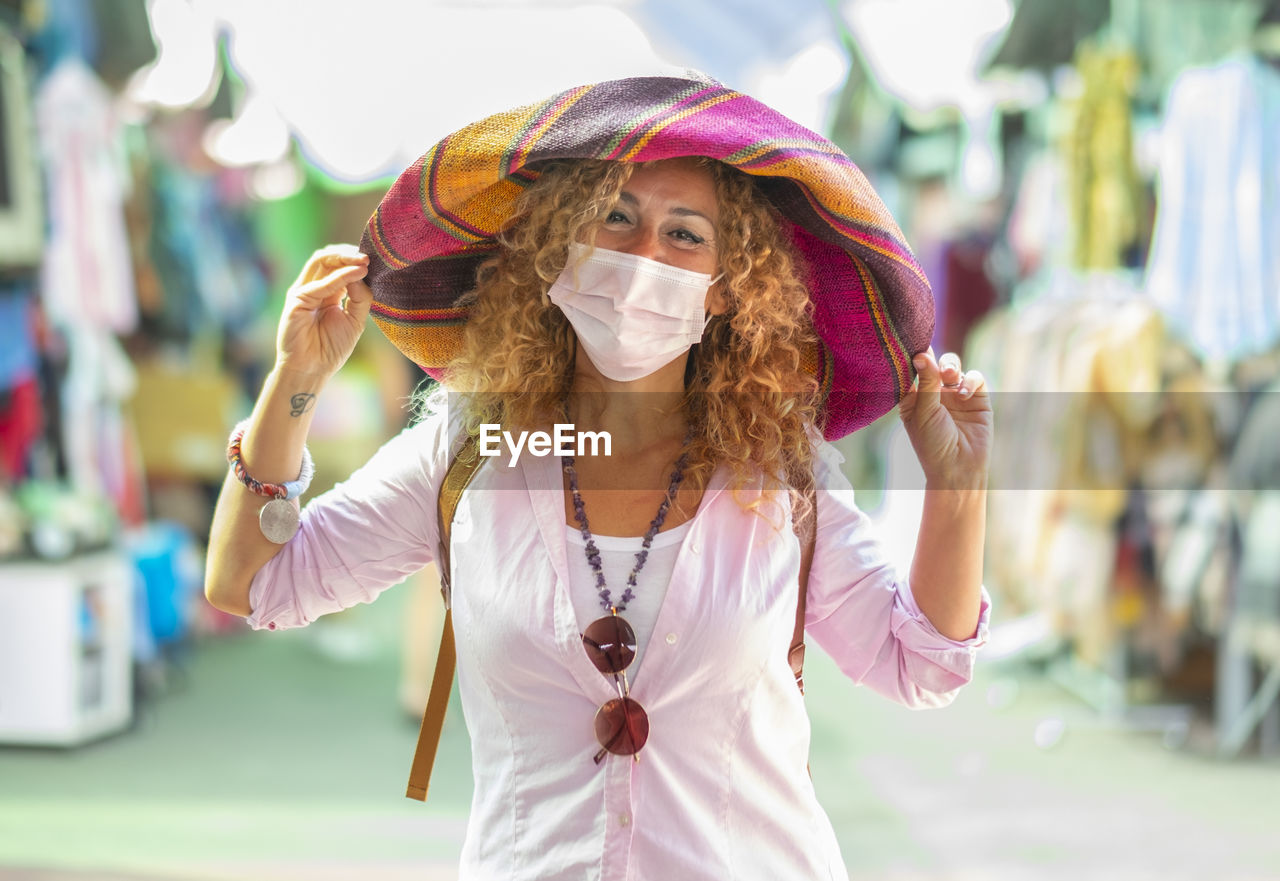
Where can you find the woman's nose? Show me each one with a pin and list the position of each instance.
(642, 242)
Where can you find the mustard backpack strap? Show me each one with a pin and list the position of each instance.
(456, 479)
(807, 532)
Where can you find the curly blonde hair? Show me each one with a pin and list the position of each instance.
(748, 403)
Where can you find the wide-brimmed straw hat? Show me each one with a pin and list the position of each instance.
(873, 307)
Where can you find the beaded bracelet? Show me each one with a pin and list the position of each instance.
(279, 519)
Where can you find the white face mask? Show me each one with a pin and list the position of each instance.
(632, 315)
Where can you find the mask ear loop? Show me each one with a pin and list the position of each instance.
(573, 356)
(587, 249)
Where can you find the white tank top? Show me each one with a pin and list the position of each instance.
(617, 556)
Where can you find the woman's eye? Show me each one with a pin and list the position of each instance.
(616, 217)
(686, 237)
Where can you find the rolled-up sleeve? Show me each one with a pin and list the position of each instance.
(363, 536)
(861, 612)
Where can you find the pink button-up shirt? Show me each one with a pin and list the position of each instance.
(721, 790)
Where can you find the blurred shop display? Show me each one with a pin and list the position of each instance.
(140, 279)
(1135, 347)
(130, 285)
(1118, 286)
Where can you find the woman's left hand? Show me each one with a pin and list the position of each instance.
(948, 418)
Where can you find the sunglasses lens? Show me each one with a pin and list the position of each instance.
(610, 643)
(622, 726)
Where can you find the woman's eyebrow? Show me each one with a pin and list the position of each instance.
(689, 212)
(680, 210)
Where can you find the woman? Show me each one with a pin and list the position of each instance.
(621, 283)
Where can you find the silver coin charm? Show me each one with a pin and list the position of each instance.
(279, 520)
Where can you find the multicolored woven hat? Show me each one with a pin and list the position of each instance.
(873, 307)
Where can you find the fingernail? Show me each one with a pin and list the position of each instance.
(965, 392)
(920, 363)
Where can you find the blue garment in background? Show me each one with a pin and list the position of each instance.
(17, 344)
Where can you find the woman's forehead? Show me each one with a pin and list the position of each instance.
(685, 180)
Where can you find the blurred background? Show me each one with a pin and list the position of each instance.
(1093, 187)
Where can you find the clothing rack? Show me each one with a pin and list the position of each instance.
(1239, 713)
(1247, 693)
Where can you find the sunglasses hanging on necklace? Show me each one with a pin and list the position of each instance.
(621, 725)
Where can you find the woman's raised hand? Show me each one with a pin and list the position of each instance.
(324, 312)
(948, 418)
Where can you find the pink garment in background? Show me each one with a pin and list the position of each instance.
(87, 273)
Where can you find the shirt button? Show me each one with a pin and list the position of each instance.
(624, 819)
(696, 548)
(671, 639)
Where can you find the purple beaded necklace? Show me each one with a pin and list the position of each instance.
(593, 553)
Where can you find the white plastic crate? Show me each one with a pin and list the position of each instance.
(66, 632)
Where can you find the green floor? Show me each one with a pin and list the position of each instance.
(271, 760)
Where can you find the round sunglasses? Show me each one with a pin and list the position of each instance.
(622, 725)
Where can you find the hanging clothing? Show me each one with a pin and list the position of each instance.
(1215, 255)
(87, 274)
(1104, 191)
(98, 442)
(21, 422)
(21, 414)
(204, 262)
(968, 292)
(18, 360)
(1077, 371)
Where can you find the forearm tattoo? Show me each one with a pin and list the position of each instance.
(301, 403)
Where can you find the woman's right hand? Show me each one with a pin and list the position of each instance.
(324, 312)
